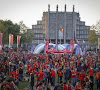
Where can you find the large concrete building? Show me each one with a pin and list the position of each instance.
(54, 21)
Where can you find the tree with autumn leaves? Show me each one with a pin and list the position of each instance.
(94, 34)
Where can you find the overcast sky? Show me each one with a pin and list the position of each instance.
(32, 10)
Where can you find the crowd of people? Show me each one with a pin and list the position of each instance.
(52, 71)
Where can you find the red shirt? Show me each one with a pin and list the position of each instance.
(65, 87)
(81, 76)
(11, 85)
(12, 73)
(97, 76)
(53, 73)
(91, 72)
(73, 74)
(16, 75)
(60, 73)
(38, 75)
(41, 75)
(69, 87)
(78, 88)
(28, 66)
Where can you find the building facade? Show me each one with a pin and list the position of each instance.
(52, 23)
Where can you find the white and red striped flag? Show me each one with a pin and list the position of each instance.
(18, 40)
(11, 36)
(1, 45)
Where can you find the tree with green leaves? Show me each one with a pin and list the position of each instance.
(26, 35)
(92, 38)
(94, 33)
(8, 27)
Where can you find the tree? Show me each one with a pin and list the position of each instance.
(94, 33)
(96, 27)
(26, 35)
(92, 38)
(8, 27)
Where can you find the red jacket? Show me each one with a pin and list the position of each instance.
(60, 73)
(53, 73)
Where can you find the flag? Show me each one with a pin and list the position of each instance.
(12, 36)
(32, 48)
(60, 34)
(62, 30)
(84, 50)
(18, 40)
(77, 51)
(0, 48)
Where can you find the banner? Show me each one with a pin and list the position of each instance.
(32, 49)
(56, 47)
(68, 47)
(44, 49)
(77, 50)
(18, 40)
(84, 50)
(12, 36)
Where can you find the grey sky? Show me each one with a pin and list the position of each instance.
(31, 10)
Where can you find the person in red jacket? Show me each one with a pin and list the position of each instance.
(17, 74)
(97, 76)
(53, 77)
(41, 75)
(12, 73)
(60, 74)
(38, 76)
(65, 86)
(74, 76)
(91, 73)
(78, 86)
(81, 78)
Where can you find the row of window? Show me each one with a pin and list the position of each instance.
(39, 36)
(84, 27)
(82, 36)
(37, 31)
(37, 26)
(82, 32)
(37, 41)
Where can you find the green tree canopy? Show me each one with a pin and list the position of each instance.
(8, 27)
(26, 35)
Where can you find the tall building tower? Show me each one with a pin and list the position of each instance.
(62, 26)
